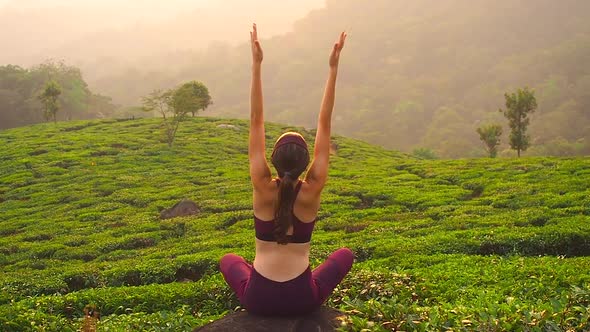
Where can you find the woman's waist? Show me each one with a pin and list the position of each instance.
(272, 248)
(281, 265)
(283, 262)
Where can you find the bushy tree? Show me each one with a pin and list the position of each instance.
(49, 99)
(424, 153)
(19, 97)
(519, 105)
(191, 97)
(490, 135)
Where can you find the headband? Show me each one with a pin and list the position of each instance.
(290, 139)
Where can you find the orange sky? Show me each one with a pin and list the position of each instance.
(34, 30)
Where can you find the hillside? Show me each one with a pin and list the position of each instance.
(474, 244)
(414, 74)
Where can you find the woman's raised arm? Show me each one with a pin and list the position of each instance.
(318, 171)
(259, 169)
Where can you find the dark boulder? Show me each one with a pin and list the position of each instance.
(334, 148)
(181, 209)
(324, 319)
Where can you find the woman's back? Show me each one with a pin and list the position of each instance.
(282, 262)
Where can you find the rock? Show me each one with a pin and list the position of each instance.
(324, 319)
(334, 148)
(181, 209)
(228, 126)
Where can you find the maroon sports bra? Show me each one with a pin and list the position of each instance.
(301, 231)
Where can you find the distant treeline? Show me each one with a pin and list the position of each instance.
(20, 89)
(419, 74)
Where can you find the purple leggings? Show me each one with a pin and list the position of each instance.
(298, 296)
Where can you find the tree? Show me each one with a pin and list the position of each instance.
(75, 95)
(448, 133)
(424, 153)
(100, 106)
(171, 106)
(518, 106)
(49, 98)
(21, 95)
(158, 101)
(191, 97)
(175, 104)
(490, 135)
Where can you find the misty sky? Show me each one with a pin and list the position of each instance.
(75, 30)
(153, 8)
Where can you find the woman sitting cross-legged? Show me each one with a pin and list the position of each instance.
(280, 281)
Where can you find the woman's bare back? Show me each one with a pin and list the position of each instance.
(283, 262)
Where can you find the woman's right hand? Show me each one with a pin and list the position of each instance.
(338, 46)
(257, 54)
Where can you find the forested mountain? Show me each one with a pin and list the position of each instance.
(419, 74)
(424, 73)
(21, 88)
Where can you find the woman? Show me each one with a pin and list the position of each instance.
(280, 281)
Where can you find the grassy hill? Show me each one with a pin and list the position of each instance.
(461, 245)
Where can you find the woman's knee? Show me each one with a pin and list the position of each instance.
(227, 261)
(344, 257)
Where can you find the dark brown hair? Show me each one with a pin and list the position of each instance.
(290, 160)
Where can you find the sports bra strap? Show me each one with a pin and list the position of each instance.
(298, 187)
(301, 231)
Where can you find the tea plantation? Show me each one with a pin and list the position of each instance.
(459, 245)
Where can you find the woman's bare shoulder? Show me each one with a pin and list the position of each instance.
(266, 192)
(311, 189)
(309, 199)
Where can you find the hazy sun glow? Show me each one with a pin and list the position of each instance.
(75, 30)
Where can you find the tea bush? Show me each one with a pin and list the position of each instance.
(471, 244)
